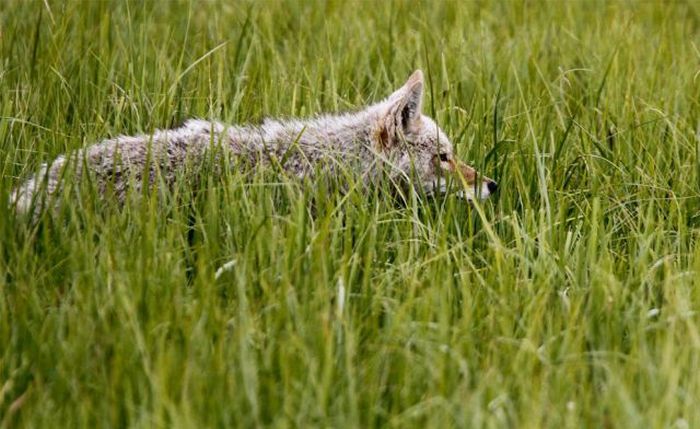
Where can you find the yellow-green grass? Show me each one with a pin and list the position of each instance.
(570, 299)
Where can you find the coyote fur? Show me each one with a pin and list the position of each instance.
(391, 136)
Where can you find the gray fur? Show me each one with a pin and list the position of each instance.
(392, 133)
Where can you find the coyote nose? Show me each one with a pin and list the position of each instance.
(492, 186)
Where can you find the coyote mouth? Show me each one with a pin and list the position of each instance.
(470, 193)
(482, 193)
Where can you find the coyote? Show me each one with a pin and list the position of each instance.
(392, 136)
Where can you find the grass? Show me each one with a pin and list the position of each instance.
(568, 300)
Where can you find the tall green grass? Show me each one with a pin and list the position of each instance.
(570, 299)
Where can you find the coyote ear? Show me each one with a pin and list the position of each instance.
(403, 110)
(407, 101)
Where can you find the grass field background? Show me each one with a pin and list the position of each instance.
(570, 299)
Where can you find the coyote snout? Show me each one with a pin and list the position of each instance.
(472, 186)
(392, 135)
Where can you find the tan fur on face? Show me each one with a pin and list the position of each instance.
(462, 171)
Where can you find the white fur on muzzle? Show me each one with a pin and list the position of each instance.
(470, 194)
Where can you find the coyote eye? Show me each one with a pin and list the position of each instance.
(443, 157)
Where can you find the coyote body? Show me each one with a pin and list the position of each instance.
(388, 137)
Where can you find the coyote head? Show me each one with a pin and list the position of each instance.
(415, 145)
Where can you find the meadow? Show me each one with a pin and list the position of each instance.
(570, 299)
